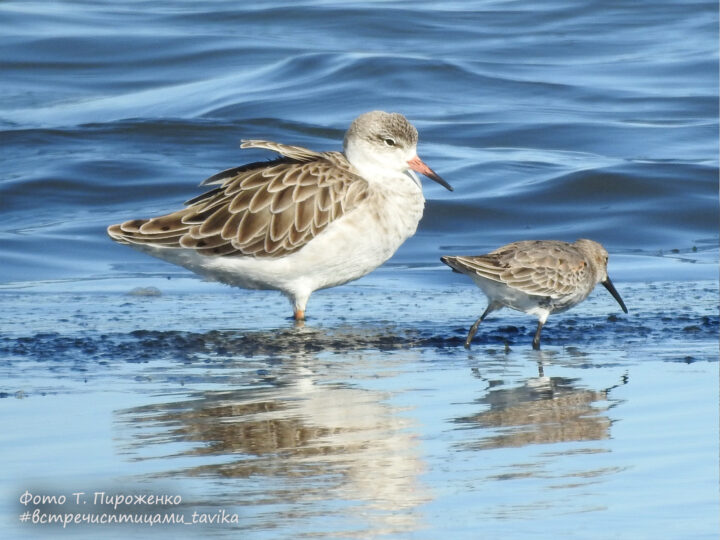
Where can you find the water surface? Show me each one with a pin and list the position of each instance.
(561, 120)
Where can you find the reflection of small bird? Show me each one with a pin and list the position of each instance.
(538, 277)
(302, 222)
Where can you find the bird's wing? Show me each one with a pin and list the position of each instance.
(263, 209)
(540, 268)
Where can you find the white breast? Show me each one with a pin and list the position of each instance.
(347, 249)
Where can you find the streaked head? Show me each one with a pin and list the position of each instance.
(597, 257)
(377, 142)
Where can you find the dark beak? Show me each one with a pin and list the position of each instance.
(417, 164)
(610, 287)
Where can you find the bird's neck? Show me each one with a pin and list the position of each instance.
(375, 172)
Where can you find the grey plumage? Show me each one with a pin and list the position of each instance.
(540, 277)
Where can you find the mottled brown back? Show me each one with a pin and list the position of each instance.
(544, 267)
(263, 209)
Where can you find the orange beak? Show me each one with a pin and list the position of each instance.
(417, 165)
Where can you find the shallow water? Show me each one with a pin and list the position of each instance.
(561, 120)
(368, 422)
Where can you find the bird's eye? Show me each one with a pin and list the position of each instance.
(389, 142)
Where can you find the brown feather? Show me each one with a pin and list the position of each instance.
(252, 225)
(282, 201)
(230, 230)
(280, 224)
(132, 225)
(261, 209)
(255, 180)
(302, 193)
(157, 236)
(196, 216)
(212, 203)
(241, 201)
(272, 172)
(322, 217)
(163, 224)
(295, 237)
(194, 232)
(253, 248)
(260, 201)
(304, 213)
(323, 199)
(215, 223)
(226, 250)
(276, 184)
(205, 243)
(308, 180)
(171, 241)
(271, 246)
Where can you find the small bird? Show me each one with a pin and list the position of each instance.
(304, 221)
(536, 276)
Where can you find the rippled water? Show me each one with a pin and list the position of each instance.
(559, 119)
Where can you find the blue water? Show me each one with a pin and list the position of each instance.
(558, 119)
(563, 120)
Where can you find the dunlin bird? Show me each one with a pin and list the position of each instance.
(304, 221)
(538, 277)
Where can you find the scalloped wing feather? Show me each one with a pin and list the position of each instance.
(297, 153)
(546, 269)
(263, 209)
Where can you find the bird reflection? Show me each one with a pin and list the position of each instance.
(295, 434)
(541, 410)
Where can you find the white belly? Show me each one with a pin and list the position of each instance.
(538, 305)
(347, 249)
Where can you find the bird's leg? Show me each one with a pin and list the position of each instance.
(474, 327)
(536, 339)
